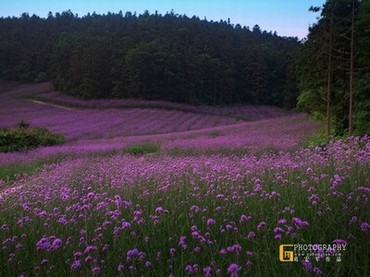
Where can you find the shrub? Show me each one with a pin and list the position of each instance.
(42, 77)
(22, 138)
(141, 149)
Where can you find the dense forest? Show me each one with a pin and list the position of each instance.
(151, 56)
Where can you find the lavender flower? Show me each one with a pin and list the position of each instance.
(233, 270)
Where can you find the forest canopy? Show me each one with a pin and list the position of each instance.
(151, 56)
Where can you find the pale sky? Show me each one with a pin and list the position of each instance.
(287, 17)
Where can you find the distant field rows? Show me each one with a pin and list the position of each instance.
(104, 123)
(188, 129)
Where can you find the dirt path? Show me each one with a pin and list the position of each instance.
(55, 105)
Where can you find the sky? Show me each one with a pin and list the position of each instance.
(287, 17)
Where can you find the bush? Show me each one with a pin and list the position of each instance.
(42, 77)
(141, 149)
(23, 138)
(320, 139)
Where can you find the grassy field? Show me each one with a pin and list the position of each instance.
(208, 202)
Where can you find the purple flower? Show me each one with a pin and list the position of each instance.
(160, 210)
(223, 251)
(244, 218)
(300, 223)
(353, 219)
(43, 244)
(120, 267)
(90, 248)
(56, 244)
(172, 251)
(261, 225)
(132, 253)
(118, 201)
(189, 269)
(233, 270)
(207, 271)
(211, 222)
(278, 230)
(76, 264)
(278, 237)
(195, 209)
(234, 248)
(339, 241)
(251, 235)
(364, 226)
(195, 234)
(44, 261)
(126, 225)
(196, 249)
(307, 265)
(105, 247)
(96, 270)
(77, 255)
(317, 271)
(182, 242)
(148, 264)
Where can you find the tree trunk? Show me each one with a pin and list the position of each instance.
(351, 72)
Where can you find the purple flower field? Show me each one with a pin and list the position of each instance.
(185, 131)
(218, 198)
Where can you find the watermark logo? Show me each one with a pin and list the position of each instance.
(286, 253)
(304, 252)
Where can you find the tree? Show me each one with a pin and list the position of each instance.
(150, 56)
(333, 39)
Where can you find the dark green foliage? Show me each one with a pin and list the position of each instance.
(150, 56)
(313, 66)
(142, 149)
(22, 138)
(42, 77)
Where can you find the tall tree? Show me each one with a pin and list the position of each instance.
(333, 39)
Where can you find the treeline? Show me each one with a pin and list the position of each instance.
(151, 56)
(334, 67)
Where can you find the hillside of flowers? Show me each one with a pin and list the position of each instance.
(91, 126)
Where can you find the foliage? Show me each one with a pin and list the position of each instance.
(313, 66)
(42, 77)
(10, 172)
(319, 139)
(141, 149)
(151, 56)
(22, 138)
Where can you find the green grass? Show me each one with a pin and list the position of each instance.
(142, 149)
(9, 172)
